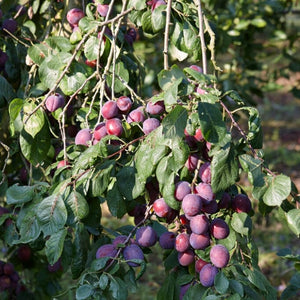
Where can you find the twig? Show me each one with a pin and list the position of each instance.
(15, 38)
(201, 36)
(148, 214)
(211, 45)
(61, 76)
(235, 124)
(5, 161)
(166, 39)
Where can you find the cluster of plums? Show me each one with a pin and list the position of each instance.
(10, 283)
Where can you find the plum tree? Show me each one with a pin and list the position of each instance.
(158, 142)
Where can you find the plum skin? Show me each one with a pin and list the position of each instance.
(186, 258)
(167, 240)
(146, 236)
(207, 275)
(182, 188)
(191, 204)
(114, 127)
(74, 15)
(219, 229)
(219, 256)
(161, 208)
(150, 124)
(109, 110)
(199, 224)
(182, 242)
(241, 203)
(83, 137)
(133, 252)
(54, 102)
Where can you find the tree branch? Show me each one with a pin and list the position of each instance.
(166, 39)
(201, 36)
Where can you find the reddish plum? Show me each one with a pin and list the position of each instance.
(74, 15)
(182, 242)
(199, 241)
(124, 104)
(241, 203)
(102, 9)
(205, 172)
(136, 115)
(83, 137)
(219, 229)
(186, 258)
(161, 208)
(199, 224)
(100, 131)
(109, 110)
(156, 108)
(114, 127)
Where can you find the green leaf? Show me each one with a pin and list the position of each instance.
(287, 254)
(170, 78)
(38, 52)
(166, 179)
(293, 220)
(224, 169)
(122, 72)
(80, 250)
(174, 123)
(101, 178)
(99, 264)
(77, 204)
(36, 121)
(258, 22)
(237, 287)
(158, 18)
(168, 288)
(196, 291)
(54, 246)
(118, 288)
(190, 37)
(73, 82)
(59, 43)
(28, 224)
(221, 283)
(14, 109)
(147, 22)
(254, 168)
(149, 154)
(6, 90)
(255, 135)
(52, 214)
(84, 292)
(91, 48)
(115, 201)
(137, 4)
(16, 195)
(103, 280)
(279, 188)
(129, 183)
(211, 122)
(241, 223)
